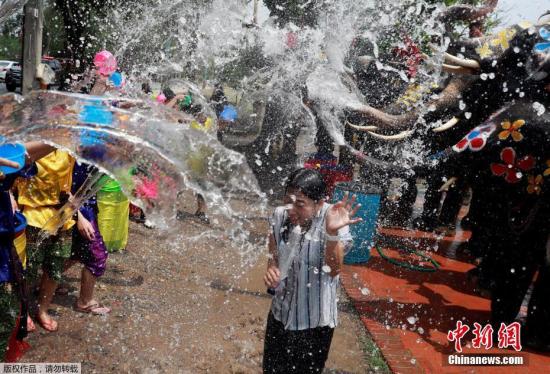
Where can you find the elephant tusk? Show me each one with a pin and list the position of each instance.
(449, 124)
(457, 69)
(467, 63)
(361, 128)
(402, 135)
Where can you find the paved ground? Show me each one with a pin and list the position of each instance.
(179, 308)
(409, 313)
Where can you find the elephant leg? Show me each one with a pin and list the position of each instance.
(538, 317)
(323, 140)
(399, 211)
(452, 204)
(346, 158)
(512, 274)
(432, 198)
(407, 200)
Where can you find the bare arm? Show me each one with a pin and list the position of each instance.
(334, 255)
(339, 215)
(272, 275)
(37, 150)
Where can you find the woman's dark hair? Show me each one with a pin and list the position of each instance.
(309, 182)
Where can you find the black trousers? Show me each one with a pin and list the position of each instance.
(303, 351)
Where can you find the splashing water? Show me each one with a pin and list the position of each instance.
(159, 163)
(273, 71)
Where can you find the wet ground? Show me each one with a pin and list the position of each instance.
(179, 308)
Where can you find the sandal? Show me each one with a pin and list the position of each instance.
(50, 326)
(94, 308)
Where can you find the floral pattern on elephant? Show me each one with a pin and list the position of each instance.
(512, 129)
(512, 168)
(476, 139)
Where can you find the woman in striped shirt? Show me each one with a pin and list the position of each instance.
(307, 245)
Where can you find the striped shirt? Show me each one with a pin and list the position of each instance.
(306, 296)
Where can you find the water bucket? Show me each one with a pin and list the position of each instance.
(117, 79)
(363, 232)
(13, 152)
(96, 115)
(113, 217)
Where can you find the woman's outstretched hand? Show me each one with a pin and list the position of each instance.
(342, 214)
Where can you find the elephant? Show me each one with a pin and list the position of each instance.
(498, 69)
(496, 138)
(506, 160)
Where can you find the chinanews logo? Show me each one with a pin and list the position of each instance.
(509, 337)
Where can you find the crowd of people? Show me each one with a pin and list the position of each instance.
(34, 259)
(33, 263)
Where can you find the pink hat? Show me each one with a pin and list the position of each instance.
(105, 63)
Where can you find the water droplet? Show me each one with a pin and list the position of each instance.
(468, 115)
(326, 268)
(462, 105)
(365, 291)
(491, 75)
(516, 49)
(413, 361)
(539, 108)
(483, 76)
(420, 330)
(512, 270)
(412, 320)
(258, 162)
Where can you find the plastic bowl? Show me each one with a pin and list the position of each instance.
(13, 152)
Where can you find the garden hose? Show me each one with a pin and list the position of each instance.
(427, 269)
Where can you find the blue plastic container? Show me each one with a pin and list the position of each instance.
(13, 152)
(363, 232)
(116, 79)
(20, 222)
(96, 115)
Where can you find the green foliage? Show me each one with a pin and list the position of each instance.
(10, 47)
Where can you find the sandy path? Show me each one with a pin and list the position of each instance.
(176, 309)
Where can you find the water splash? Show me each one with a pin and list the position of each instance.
(161, 164)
